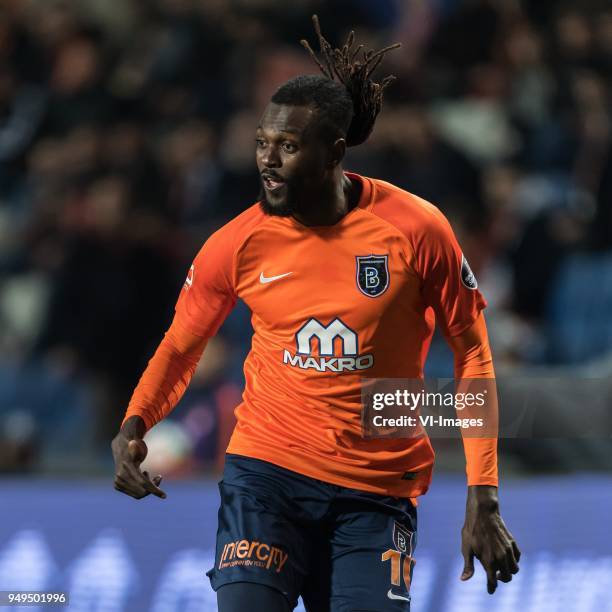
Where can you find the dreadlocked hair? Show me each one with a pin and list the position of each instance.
(353, 73)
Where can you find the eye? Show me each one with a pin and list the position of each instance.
(289, 147)
(260, 142)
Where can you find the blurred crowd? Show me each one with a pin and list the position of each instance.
(127, 137)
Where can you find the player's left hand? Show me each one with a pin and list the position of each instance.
(486, 537)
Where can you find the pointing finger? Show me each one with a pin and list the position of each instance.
(152, 487)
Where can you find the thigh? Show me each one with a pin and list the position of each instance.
(241, 596)
(261, 536)
(372, 555)
(316, 590)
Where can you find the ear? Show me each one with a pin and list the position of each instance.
(336, 153)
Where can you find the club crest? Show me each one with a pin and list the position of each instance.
(372, 274)
(402, 539)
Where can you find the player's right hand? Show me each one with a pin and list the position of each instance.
(129, 479)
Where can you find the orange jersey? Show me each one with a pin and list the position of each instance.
(331, 305)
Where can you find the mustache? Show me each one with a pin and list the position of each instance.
(272, 175)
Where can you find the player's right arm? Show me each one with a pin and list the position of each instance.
(206, 299)
(160, 388)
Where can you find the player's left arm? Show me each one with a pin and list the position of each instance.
(451, 289)
(484, 534)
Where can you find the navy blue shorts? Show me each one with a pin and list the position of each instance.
(341, 549)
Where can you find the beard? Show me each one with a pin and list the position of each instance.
(285, 209)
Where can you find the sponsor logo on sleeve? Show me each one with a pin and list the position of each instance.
(467, 276)
(189, 279)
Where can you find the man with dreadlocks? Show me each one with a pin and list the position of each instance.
(344, 276)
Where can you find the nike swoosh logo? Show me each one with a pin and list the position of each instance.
(392, 595)
(268, 279)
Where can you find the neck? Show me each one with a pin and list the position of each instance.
(331, 203)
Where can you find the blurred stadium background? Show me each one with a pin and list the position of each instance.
(126, 138)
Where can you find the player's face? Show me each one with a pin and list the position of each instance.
(290, 157)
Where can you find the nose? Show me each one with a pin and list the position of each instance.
(270, 157)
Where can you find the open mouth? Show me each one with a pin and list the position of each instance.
(272, 183)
